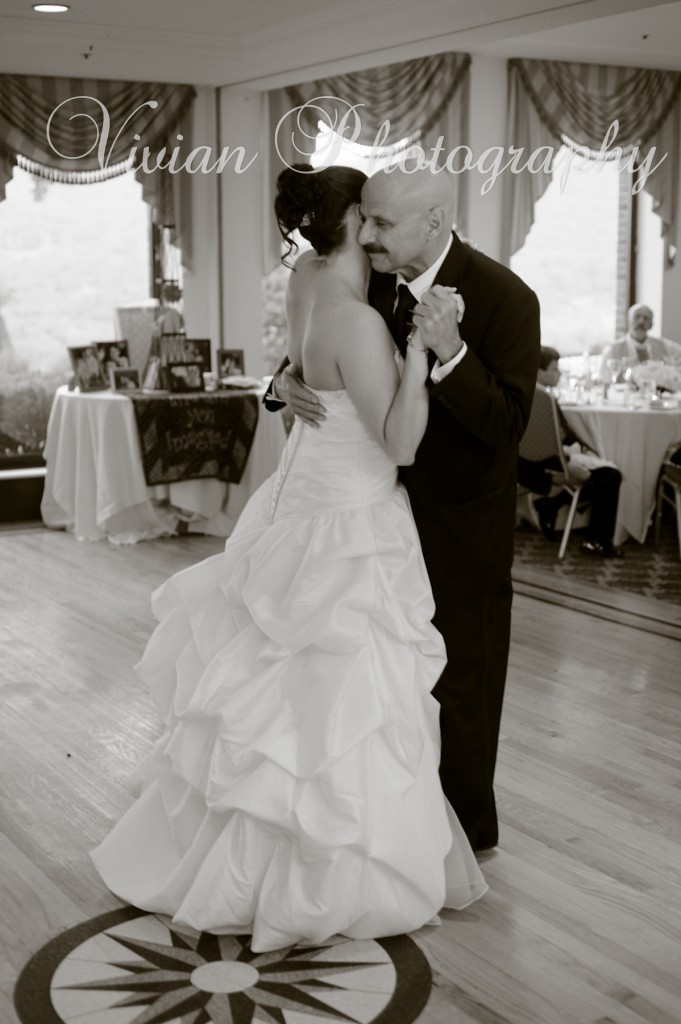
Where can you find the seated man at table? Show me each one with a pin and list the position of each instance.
(637, 345)
(600, 479)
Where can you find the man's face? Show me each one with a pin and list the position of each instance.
(393, 233)
(640, 322)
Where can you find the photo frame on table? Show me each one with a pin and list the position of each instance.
(198, 351)
(230, 362)
(124, 378)
(112, 354)
(175, 349)
(87, 369)
(184, 377)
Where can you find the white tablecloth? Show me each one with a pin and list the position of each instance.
(95, 483)
(635, 440)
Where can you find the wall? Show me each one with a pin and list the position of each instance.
(202, 283)
(487, 119)
(222, 292)
(242, 198)
(649, 258)
(670, 325)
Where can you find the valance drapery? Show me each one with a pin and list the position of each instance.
(411, 97)
(594, 109)
(78, 131)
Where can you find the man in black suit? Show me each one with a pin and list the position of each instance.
(462, 486)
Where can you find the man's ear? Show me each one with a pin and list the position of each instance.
(436, 219)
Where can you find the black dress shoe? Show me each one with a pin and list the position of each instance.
(603, 549)
(546, 514)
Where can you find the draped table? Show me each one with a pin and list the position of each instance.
(95, 483)
(635, 438)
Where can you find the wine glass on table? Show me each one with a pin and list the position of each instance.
(615, 367)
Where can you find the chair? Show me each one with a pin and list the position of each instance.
(670, 477)
(543, 440)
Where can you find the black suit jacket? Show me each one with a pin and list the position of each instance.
(462, 485)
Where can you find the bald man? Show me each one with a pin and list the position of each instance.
(637, 345)
(484, 343)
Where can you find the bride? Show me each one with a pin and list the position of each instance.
(294, 792)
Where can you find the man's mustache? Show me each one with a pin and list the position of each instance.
(374, 250)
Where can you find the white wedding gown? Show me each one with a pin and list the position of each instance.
(294, 793)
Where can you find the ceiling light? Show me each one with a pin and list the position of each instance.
(50, 8)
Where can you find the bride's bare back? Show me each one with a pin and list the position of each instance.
(338, 341)
(317, 307)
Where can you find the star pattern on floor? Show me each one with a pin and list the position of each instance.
(166, 981)
(130, 967)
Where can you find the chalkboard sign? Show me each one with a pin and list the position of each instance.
(195, 436)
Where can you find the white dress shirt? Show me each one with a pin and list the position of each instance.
(418, 288)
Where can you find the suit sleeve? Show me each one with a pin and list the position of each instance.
(490, 392)
(275, 404)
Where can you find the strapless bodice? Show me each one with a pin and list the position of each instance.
(333, 467)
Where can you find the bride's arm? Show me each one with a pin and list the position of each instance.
(394, 410)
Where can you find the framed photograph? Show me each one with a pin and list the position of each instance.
(183, 377)
(87, 369)
(230, 362)
(124, 378)
(174, 349)
(197, 350)
(112, 354)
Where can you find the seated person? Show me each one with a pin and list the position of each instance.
(637, 346)
(601, 483)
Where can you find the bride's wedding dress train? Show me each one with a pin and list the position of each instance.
(294, 792)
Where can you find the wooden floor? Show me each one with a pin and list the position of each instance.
(582, 923)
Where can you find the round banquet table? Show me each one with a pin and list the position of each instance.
(635, 438)
(95, 485)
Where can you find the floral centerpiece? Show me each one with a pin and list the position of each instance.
(666, 376)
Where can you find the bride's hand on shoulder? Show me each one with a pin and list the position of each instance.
(300, 399)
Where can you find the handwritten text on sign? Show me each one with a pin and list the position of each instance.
(188, 437)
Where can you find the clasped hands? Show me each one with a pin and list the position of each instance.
(437, 316)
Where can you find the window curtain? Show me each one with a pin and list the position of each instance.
(422, 99)
(553, 102)
(79, 131)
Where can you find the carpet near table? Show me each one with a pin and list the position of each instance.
(647, 570)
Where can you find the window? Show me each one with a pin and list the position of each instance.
(69, 254)
(570, 257)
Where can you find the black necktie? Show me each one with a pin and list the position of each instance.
(401, 322)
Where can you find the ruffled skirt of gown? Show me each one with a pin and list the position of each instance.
(294, 793)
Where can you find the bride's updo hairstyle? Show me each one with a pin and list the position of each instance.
(315, 202)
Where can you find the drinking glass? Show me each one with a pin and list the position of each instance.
(648, 388)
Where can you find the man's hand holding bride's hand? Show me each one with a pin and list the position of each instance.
(438, 316)
(301, 400)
